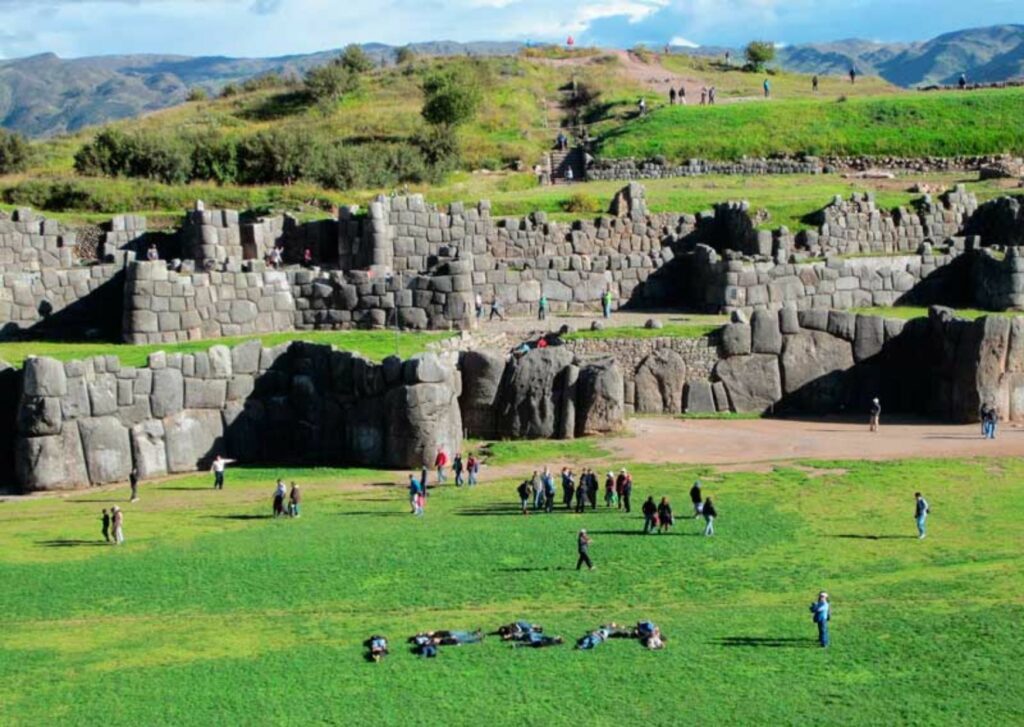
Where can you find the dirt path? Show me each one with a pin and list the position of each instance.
(748, 444)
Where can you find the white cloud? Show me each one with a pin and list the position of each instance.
(681, 42)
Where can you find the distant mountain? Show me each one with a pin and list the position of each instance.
(988, 54)
(45, 95)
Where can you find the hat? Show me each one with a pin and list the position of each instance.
(875, 400)
(823, 593)
(610, 473)
(622, 470)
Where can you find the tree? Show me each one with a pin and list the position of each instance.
(354, 58)
(14, 152)
(328, 84)
(452, 98)
(277, 156)
(196, 93)
(405, 55)
(758, 53)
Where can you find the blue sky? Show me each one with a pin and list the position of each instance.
(74, 28)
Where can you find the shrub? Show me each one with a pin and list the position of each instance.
(263, 82)
(276, 156)
(213, 158)
(405, 55)
(229, 90)
(452, 97)
(440, 148)
(370, 165)
(328, 84)
(758, 53)
(196, 93)
(15, 152)
(581, 203)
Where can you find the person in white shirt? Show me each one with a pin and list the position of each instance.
(219, 464)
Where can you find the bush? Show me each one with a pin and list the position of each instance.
(328, 84)
(229, 90)
(354, 59)
(452, 97)
(263, 82)
(405, 55)
(370, 165)
(196, 93)
(440, 148)
(581, 203)
(758, 53)
(279, 156)
(213, 158)
(15, 152)
(114, 153)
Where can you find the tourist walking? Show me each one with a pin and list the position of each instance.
(821, 614)
(672, 97)
(814, 84)
(457, 468)
(712, 94)
(682, 95)
(627, 491)
(921, 512)
(440, 462)
(118, 523)
(423, 478)
(496, 310)
(697, 499)
(542, 308)
(568, 488)
(989, 420)
(218, 467)
(479, 303)
(524, 496)
(767, 88)
(549, 490)
(581, 491)
(876, 414)
(665, 518)
(472, 469)
(583, 547)
(105, 524)
(710, 513)
(963, 81)
(294, 500)
(853, 75)
(415, 495)
(592, 490)
(133, 480)
(650, 511)
(609, 490)
(279, 494)
(606, 303)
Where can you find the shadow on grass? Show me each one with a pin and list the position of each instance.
(858, 536)
(515, 510)
(69, 543)
(533, 569)
(767, 642)
(239, 517)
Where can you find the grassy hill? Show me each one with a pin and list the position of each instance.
(940, 124)
(214, 612)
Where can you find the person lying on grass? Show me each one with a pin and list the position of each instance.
(535, 640)
(448, 638)
(518, 630)
(378, 647)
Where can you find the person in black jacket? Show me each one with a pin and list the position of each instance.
(665, 519)
(583, 546)
(581, 490)
(710, 514)
(696, 499)
(592, 489)
(649, 510)
(524, 495)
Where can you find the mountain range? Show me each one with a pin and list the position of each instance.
(44, 95)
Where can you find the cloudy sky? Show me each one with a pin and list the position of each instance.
(74, 28)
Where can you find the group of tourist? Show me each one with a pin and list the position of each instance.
(294, 499)
(112, 523)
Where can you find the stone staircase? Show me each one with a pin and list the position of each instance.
(560, 161)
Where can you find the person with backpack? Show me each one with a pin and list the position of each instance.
(710, 514)
(665, 519)
(921, 512)
(650, 511)
(820, 615)
(697, 499)
(583, 548)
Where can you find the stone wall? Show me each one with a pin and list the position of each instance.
(88, 422)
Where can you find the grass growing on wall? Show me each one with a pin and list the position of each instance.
(375, 345)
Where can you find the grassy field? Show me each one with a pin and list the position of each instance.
(942, 124)
(908, 312)
(375, 345)
(213, 612)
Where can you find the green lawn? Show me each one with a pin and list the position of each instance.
(213, 614)
(669, 330)
(941, 124)
(375, 345)
(908, 312)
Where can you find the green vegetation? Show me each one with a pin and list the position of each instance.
(15, 152)
(942, 124)
(910, 312)
(518, 451)
(759, 53)
(375, 345)
(688, 329)
(214, 613)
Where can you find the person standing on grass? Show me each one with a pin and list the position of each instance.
(279, 494)
(524, 496)
(650, 511)
(672, 97)
(583, 547)
(921, 511)
(118, 526)
(472, 469)
(682, 95)
(609, 490)
(814, 84)
(697, 499)
(414, 496)
(710, 514)
(105, 520)
(549, 490)
(592, 490)
(537, 488)
(853, 75)
(627, 491)
(581, 491)
(294, 499)
(821, 614)
(665, 519)
(218, 467)
(568, 487)
(876, 414)
(712, 95)
(440, 462)
(767, 88)
(457, 468)
(133, 480)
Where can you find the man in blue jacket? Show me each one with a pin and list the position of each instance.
(820, 613)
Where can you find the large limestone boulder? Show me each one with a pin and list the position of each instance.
(51, 463)
(869, 337)
(425, 368)
(528, 401)
(766, 334)
(814, 366)
(599, 397)
(481, 379)
(168, 395)
(659, 383)
(193, 437)
(700, 398)
(148, 448)
(44, 377)
(39, 416)
(421, 419)
(736, 339)
(753, 383)
(107, 448)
